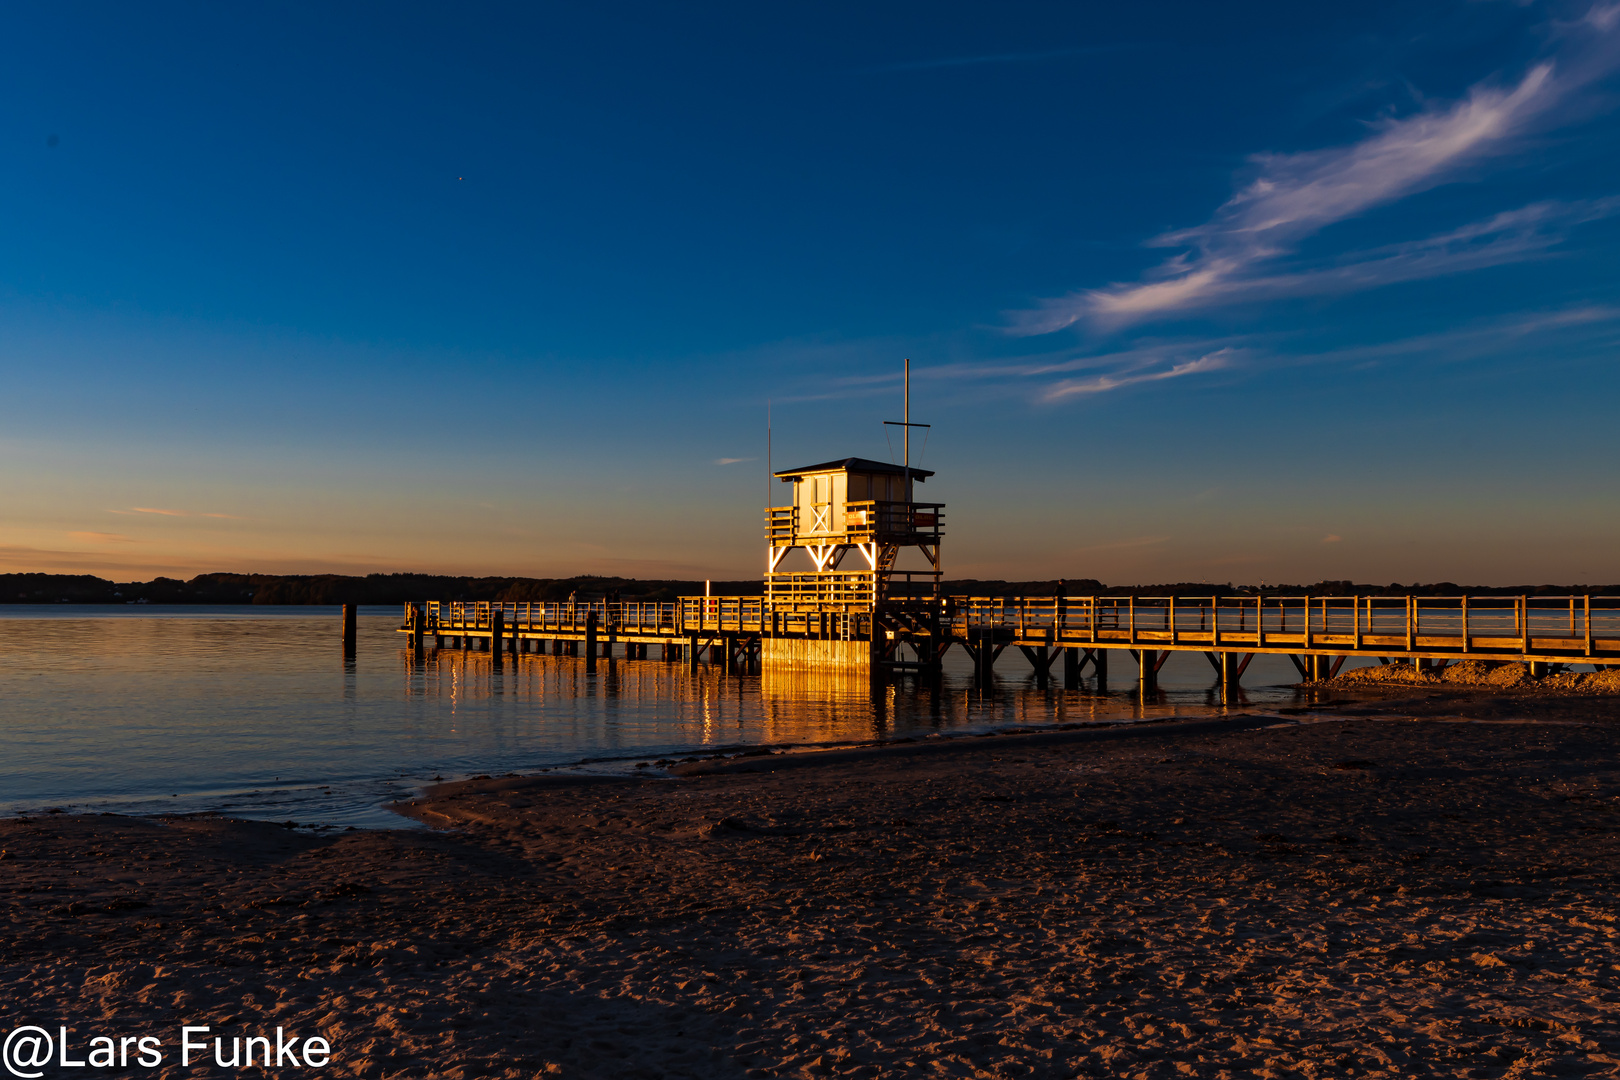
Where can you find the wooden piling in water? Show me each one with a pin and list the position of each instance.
(590, 643)
(1148, 669)
(350, 628)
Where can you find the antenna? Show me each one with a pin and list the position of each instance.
(768, 470)
(905, 425)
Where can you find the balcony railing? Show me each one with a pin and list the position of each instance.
(869, 519)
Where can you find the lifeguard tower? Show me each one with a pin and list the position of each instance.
(853, 519)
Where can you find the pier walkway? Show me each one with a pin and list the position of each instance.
(1318, 633)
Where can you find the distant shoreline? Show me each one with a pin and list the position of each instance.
(326, 589)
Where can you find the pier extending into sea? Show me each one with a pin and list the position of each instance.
(881, 618)
(1061, 636)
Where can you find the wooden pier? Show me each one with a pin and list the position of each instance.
(880, 619)
(1318, 633)
(1071, 633)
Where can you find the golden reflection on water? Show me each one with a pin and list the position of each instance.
(660, 705)
(258, 712)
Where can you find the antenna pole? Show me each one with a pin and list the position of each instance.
(906, 438)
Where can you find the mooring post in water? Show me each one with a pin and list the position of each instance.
(1099, 664)
(417, 620)
(1148, 669)
(1230, 672)
(497, 631)
(590, 643)
(349, 628)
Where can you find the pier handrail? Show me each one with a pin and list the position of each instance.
(1556, 627)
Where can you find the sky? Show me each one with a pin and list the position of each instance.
(1262, 293)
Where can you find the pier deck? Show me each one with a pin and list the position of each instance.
(1317, 633)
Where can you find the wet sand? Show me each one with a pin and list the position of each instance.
(1393, 892)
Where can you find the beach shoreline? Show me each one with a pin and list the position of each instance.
(1406, 887)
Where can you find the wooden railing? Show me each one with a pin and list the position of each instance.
(1565, 625)
(781, 524)
(1555, 627)
(873, 518)
(911, 523)
(689, 614)
(848, 590)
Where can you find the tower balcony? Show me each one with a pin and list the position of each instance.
(867, 521)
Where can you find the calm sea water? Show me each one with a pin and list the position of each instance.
(253, 711)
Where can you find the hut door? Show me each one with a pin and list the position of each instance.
(820, 504)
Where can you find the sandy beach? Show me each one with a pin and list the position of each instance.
(1411, 882)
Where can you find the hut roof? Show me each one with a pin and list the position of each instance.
(857, 464)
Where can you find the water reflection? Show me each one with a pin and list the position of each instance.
(258, 711)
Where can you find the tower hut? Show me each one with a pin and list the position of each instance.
(853, 518)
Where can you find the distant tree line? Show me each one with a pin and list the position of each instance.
(324, 589)
(343, 589)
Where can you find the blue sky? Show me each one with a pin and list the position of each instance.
(1269, 292)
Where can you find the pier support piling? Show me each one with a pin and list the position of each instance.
(1071, 668)
(1147, 673)
(350, 628)
(590, 643)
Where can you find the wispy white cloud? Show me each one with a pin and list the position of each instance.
(1100, 384)
(732, 460)
(1484, 338)
(1290, 197)
(1059, 377)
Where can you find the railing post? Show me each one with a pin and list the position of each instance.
(1215, 622)
(1465, 623)
(1524, 612)
(1307, 622)
(1132, 619)
(1259, 619)
(1588, 625)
